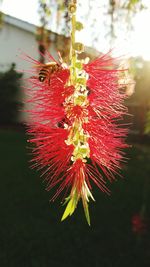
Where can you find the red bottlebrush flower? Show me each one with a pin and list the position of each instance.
(139, 224)
(104, 112)
(75, 127)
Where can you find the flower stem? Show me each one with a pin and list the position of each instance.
(76, 107)
(73, 56)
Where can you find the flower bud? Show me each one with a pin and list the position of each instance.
(81, 80)
(79, 47)
(72, 8)
(79, 26)
(79, 65)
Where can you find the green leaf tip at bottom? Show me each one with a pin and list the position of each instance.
(69, 210)
(71, 206)
(86, 211)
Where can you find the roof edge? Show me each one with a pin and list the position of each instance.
(19, 23)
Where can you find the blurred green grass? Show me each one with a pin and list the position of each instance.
(31, 234)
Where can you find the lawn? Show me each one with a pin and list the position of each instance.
(31, 234)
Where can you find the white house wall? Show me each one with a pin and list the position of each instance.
(13, 42)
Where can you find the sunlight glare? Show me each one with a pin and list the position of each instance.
(137, 43)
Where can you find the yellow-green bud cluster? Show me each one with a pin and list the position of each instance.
(77, 137)
(78, 78)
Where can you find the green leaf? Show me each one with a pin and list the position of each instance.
(66, 200)
(86, 211)
(69, 210)
(72, 204)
